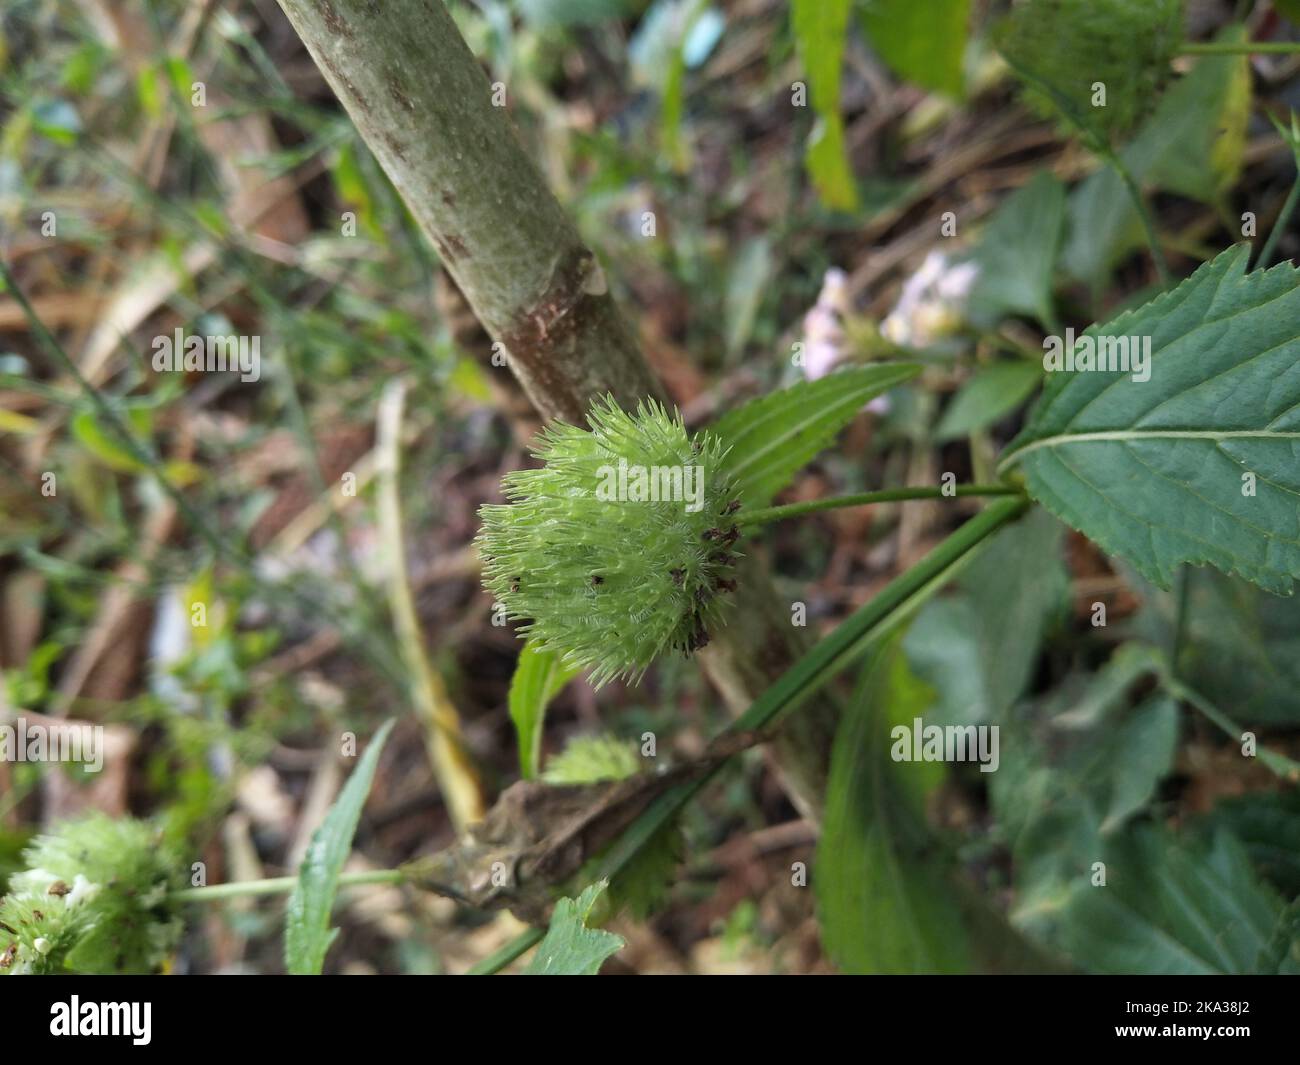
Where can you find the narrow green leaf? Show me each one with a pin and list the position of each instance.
(820, 27)
(105, 446)
(746, 284)
(570, 947)
(307, 935)
(539, 678)
(991, 394)
(771, 438)
(924, 43)
(1200, 463)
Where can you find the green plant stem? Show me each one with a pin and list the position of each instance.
(1144, 215)
(1242, 48)
(767, 515)
(807, 675)
(282, 885)
(518, 946)
(1280, 764)
(1279, 227)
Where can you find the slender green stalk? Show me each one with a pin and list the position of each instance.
(1279, 764)
(282, 885)
(1279, 227)
(767, 515)
(1144, 215)
(1240, 48)
(810, 673)
(518, 946)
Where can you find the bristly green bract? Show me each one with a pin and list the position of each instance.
(621, 546)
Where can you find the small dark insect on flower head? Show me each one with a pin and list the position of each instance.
(562, 527)
(731, 507)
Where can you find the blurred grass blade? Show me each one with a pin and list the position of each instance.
(307, 935)
(922, 42)
(456, 777)
(820, 27)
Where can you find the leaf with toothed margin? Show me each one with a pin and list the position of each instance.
(1155, 471)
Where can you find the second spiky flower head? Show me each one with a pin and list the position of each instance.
(621, 546)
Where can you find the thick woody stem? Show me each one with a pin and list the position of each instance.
(426, 109)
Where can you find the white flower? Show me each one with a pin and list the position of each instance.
(824, 342)
(931, 303)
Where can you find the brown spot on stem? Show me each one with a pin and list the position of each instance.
(394, 145)
(333, 22)
(398, 92)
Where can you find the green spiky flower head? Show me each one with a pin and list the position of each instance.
(621, 546)
(94, 899)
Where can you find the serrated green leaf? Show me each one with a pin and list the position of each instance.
(923, 43)
(1075, 766)
(771, 438)
(570, 948)
(1171, 907)
(642, 884)
(539, 677)
(991, 394)
(1153, 470)
(1192, 145)
(1017, 254)
(1268, 825)
(307, 934)
(1064, 49)
(820, 28)
(883, 897)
